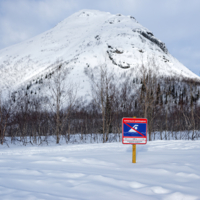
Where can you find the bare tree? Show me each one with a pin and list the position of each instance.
(150, 92)
(4, 114)
(103, 91)
(62, 99)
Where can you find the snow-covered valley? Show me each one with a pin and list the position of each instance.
(43, 119)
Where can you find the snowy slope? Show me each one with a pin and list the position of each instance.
(87, 38)
(167, 170)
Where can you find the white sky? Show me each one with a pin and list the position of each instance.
(175, 22)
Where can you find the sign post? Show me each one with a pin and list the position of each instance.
(134, 153)
(134, 131)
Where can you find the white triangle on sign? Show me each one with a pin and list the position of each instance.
(135, 127)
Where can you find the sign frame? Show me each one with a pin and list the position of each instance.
(134, 139)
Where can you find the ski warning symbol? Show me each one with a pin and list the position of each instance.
(134, 131)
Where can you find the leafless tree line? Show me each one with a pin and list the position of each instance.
(171, 106)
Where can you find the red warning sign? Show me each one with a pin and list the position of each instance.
(134, 131)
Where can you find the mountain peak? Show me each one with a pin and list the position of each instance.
(87, 38)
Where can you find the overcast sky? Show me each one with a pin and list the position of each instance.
(175, 22)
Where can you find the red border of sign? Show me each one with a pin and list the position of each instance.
(135, 120)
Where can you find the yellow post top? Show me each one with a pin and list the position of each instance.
(134, 117)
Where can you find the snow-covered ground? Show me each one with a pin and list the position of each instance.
(164, 170)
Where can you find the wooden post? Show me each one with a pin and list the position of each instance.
(134, 153)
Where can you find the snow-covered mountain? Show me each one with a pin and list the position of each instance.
(87, 38)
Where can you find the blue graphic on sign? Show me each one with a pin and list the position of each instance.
(132, 133)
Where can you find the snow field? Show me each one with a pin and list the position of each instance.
(166, 170)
